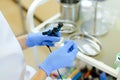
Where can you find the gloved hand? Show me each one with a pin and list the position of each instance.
(62, 57)
(38, 39)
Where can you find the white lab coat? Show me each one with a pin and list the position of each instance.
(12, 63)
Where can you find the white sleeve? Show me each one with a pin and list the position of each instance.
(11, 56)
(8, 42)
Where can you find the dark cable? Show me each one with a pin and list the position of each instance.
(57, 69)
(49, 48)
(59, 74)
(53, 33)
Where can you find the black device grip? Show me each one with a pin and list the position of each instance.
(54, 30)
(69, 1)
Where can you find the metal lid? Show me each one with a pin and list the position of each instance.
(87, 44)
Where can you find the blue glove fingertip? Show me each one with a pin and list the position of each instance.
(53, 38)
(49, 43)
(58, 34)
(68, 44)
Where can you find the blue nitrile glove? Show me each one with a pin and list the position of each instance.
(62, 57)
(38, 39)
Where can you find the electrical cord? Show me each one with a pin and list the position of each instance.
(57, 69)
(53, 33)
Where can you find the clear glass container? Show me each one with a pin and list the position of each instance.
(99, 19)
